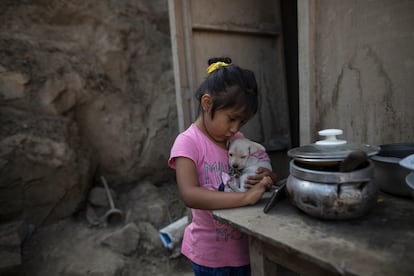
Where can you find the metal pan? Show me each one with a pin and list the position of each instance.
(277, 195)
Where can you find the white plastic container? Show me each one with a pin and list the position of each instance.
(172, 234)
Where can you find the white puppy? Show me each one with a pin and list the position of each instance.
(245, 157)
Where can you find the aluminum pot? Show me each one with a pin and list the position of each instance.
(390, 176)
(332, 195)
(323, 183)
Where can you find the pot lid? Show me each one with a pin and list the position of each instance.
(408, 162)
(330, 149)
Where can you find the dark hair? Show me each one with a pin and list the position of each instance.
(230, 87)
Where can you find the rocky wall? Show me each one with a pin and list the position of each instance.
(86, 89)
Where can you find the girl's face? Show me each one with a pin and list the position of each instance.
(225, 123)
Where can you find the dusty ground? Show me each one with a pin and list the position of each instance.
(73, 247)
(68, 249)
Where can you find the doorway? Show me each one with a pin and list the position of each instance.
(258, 35)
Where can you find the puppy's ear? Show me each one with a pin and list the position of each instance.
(230, 141)
(228, 144)
(256, 147)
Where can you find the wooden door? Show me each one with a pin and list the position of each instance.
(248, 31)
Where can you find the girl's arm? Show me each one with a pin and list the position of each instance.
(197, 197)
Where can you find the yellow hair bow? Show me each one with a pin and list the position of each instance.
(216, 65)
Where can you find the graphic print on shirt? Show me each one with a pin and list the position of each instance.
(212, 174)
(225, 233)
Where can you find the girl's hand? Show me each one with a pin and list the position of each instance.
(256, 191)
(260, 174)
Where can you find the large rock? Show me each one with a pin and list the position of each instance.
(146, 203)
(45, 170)
(123, 241)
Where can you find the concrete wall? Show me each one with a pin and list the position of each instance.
(356, 69)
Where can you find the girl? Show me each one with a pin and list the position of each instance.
(228, 99)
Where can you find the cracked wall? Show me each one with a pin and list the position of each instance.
(364, 68)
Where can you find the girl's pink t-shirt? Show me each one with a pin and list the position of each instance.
(206, 241)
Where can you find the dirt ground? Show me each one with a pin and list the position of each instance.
(68, 248)
(73, 247)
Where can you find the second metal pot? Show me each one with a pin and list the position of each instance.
(389, 174)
